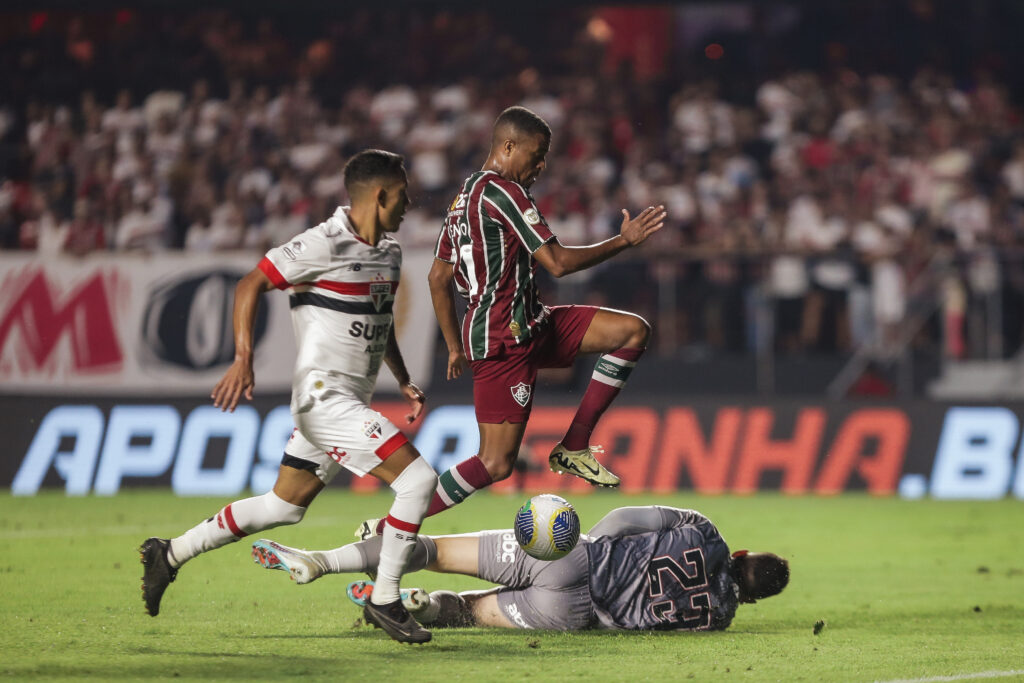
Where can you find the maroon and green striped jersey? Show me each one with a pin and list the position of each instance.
(491, 231)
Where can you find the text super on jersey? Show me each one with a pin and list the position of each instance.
(490, 234)
(342, 290)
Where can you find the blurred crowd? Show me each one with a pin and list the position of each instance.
(851, 204)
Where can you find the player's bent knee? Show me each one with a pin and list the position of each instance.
(500, 466)
(280, 512)
(417, 481)
(503, 470)
(640, 332)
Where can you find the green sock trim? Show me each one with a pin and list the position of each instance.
(452, 488)
(612, 370)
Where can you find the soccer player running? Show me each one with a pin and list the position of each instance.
(639, 568)
(341, 276)
(490, 245)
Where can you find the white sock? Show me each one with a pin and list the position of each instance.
(234, 521)
(343, 560)
(414, 488)
(364, 556)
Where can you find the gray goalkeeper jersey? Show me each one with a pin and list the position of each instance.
(660, 568)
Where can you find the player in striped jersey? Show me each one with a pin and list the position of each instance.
(489, 247)
(341, 277)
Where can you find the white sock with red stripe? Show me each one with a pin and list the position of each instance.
(235, 521)
(413, 489)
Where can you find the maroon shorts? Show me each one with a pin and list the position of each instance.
(503, 384)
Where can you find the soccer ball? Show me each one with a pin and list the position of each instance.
(547, 527)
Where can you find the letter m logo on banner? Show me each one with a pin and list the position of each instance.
(44, 316)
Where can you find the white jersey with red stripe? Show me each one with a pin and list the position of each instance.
(342, 290)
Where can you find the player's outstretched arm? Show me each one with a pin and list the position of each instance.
(626, 521)
(412, 393)
(239, 379)
(560, 260)
(440, 279)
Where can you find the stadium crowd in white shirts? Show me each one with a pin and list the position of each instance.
(835, 193)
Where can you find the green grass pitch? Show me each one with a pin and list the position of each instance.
(907, 590)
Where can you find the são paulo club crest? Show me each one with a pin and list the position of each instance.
(379, 291)
(372, 429)
(521, 393)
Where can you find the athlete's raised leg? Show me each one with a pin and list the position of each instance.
(621, 338)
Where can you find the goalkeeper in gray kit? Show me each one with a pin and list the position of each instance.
(639, 568)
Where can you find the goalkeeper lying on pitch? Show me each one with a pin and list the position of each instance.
(639, 568)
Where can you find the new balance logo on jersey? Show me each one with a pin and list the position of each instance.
(521, 393)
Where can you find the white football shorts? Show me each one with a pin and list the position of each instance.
(340, 431)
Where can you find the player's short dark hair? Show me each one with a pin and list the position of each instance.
(523, 121)
(761, 575)
(373, 164)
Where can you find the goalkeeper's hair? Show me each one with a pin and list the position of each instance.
(760, 575)
(447, 609)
